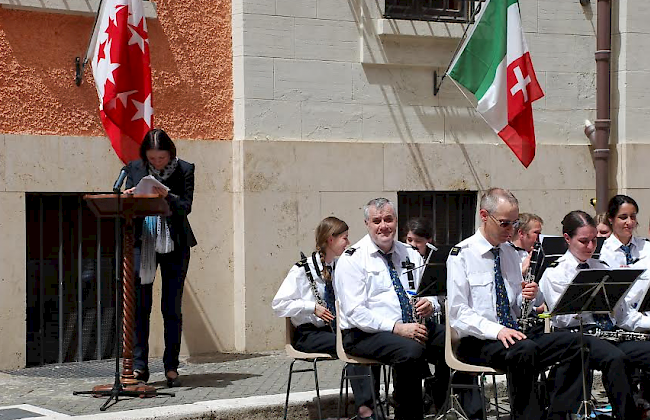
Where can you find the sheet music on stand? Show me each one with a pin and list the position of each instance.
(596, 290)
(553, 247)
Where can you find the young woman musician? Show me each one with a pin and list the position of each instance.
(307, 297)
(624, 249)
(613, 359)
(603, 226)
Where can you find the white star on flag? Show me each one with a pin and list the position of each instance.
(145, 111)
(136, 38)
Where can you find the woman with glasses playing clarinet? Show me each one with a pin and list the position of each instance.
(611, 358)
(307, 297)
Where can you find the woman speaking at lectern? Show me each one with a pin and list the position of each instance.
(163, 241)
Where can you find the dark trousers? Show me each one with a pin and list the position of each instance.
(311, 339)
(638, 354)
(523, 362)
(408, 359)
(611, 359)
(173, 269)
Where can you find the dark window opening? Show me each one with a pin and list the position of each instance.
(431, 10)
(70, 281)
(453, 216)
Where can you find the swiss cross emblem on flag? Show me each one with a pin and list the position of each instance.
(119, 56)
(523, 88)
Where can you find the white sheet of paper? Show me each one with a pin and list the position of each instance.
(146, 184)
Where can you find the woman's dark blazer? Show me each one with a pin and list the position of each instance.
(181, 194)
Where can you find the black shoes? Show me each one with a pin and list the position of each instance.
(173, 379)
(141, 375)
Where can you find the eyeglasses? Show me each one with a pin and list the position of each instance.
(504, 223)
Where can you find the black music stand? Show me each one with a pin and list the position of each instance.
(596, 291)
(434, 277)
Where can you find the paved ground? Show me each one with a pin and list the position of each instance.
(240, 380)
(224, 376)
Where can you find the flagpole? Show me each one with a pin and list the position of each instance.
(436, 85)
(78, 65)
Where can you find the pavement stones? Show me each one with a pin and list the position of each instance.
(220, 386)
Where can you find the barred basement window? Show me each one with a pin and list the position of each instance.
(453, 216)
(431, 10)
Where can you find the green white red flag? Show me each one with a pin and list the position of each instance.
(494, 64)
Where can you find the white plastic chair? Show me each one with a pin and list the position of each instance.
(296, 355)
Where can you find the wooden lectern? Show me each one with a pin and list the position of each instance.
(127, 207)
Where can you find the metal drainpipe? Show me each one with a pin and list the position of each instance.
(603, 121)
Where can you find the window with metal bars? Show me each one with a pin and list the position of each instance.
(452, 215)
(431, 10)
(70, 281)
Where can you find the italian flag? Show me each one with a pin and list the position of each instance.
(494, 64)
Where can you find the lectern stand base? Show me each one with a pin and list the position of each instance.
(114, 391)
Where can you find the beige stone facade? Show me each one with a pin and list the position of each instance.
(329, 105)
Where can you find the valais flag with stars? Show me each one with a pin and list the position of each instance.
(119, 55)
(494, 64)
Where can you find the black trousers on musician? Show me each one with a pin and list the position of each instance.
(312, 339)
(523, 362)
(638, 354)
(614, 360)
(408, 359)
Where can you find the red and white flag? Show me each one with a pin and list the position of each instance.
(119, 55)
(494, 64)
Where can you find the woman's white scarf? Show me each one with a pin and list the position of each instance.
(155, 232)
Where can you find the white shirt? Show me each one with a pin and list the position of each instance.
(295, 298)
(556, 279)
(365, 290)
(471, 287)
(613, 255)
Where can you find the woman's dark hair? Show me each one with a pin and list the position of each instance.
(575, 220)
(157, 139)
(616, 202)
(419, 226)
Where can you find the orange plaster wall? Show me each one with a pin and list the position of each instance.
(191, 59)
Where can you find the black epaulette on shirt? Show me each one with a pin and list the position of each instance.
(303, 260)
(517, 248)
(350, 251)
(553, 264)
(607, 265)
(455, 251)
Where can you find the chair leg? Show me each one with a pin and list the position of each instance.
(286, 402)
(482, 394)
(387, 369)
(338, 414)
(320, 414)
(496, 394)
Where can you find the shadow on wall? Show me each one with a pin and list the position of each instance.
(199, 334)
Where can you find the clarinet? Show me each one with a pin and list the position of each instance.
(525, 322)
(312, 283)
(619, 335)
(414, 299)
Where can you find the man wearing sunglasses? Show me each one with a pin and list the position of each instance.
(485, 290)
